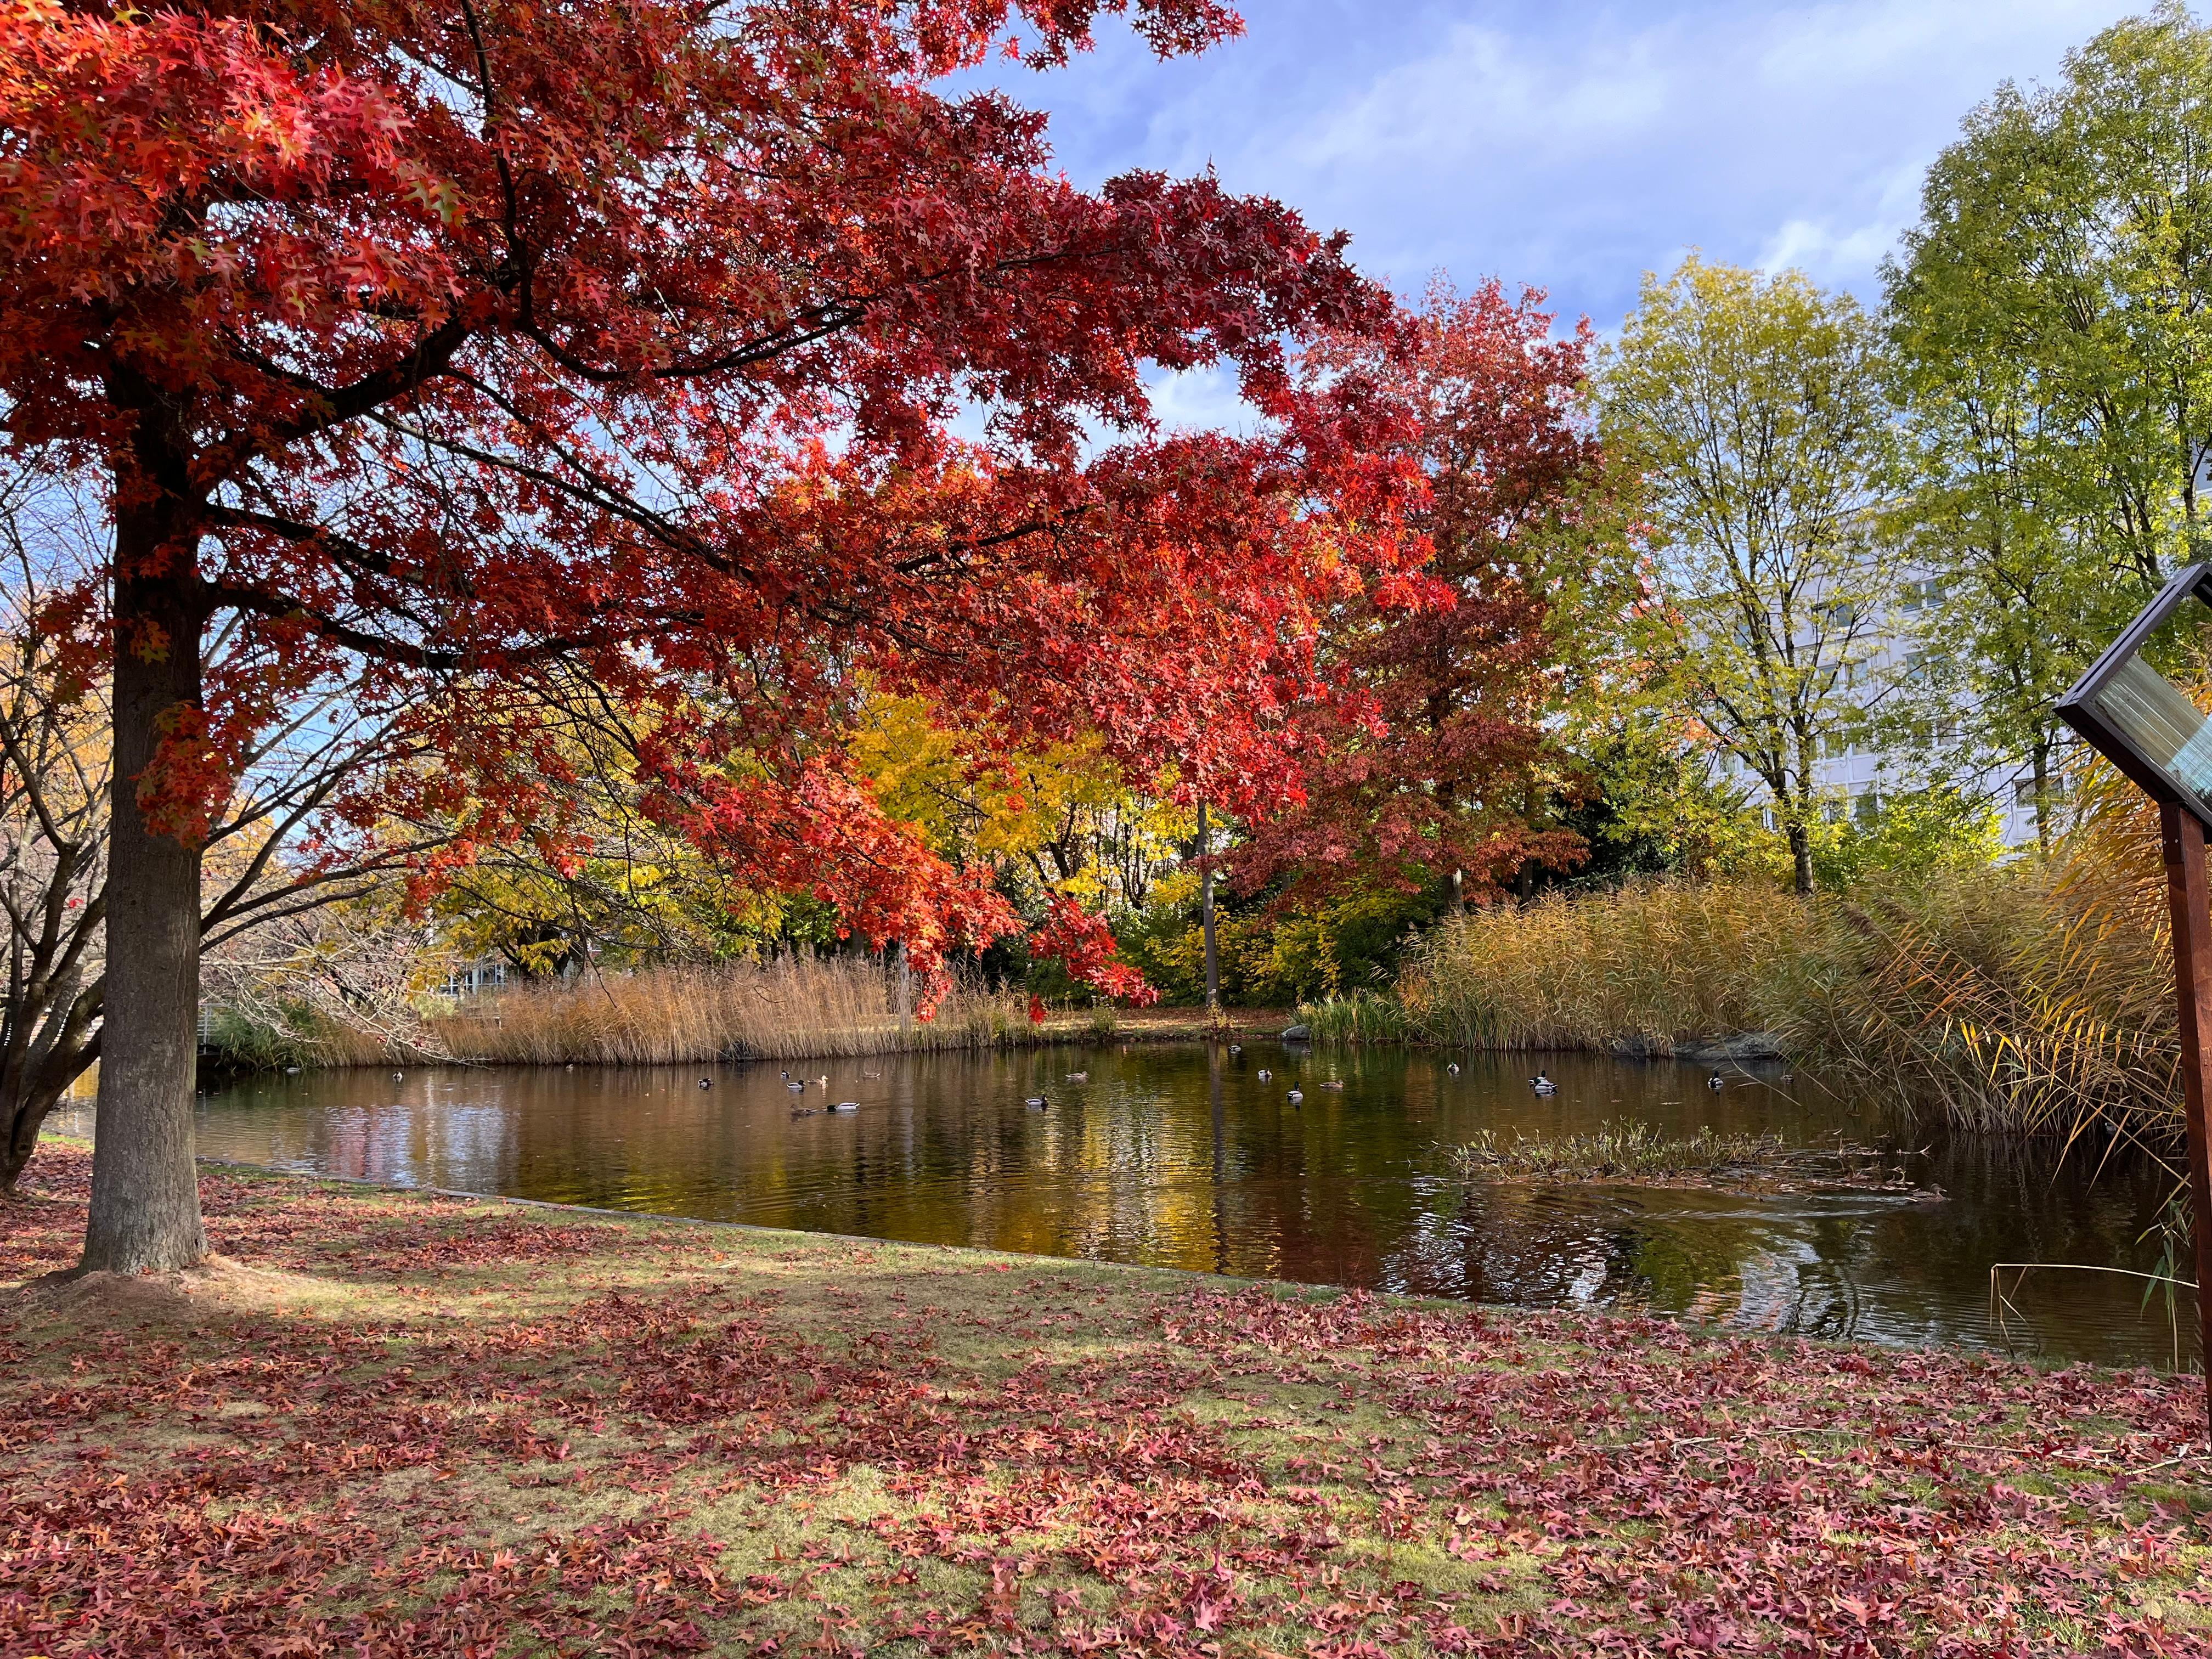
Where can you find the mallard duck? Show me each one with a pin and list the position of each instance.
(706, 1083)
(1079, 1076)
(1333, 1083)
(1543, 1085)
(1265, 1074)
(796, 1087)
(1037, 1103)
(1451, 1068)
(1295, 1096)
(1716, 1082)
(847, 1106)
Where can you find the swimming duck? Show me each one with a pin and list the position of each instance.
(1333, 1083)
(1295, 1096)
(1789, 1077)
(706, 1083)
(804, 1111)
(1037, 1103)
(1079, 1076)
(1265, 1074)
(822, 1082)
(1543, 1085)
(1451, 1068)
(1235, 1048)
(1716, 1082)
(396, 1076)
(847, 1106)
(796, 1088)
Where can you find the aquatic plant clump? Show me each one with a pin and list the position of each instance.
(1627, 1149)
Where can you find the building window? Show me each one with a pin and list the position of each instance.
(1915, 594)
(1866, 807)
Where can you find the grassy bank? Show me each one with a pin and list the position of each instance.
(2035, 997)
(392, 1424)
(792, 1008)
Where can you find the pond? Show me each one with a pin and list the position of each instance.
(1187, 1155)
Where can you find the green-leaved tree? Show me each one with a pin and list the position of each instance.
(1753, 405)
(2052, 321)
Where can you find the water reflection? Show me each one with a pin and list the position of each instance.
(1182, 1157)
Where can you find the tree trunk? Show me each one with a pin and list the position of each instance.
(22, 1118)
(1206, 911)
(2041, 763)
(1800, 854)
(145, 1191)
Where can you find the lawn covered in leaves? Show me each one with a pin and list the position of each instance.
(404, 1425)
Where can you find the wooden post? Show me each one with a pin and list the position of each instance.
(2190, 899)
(1206, 911)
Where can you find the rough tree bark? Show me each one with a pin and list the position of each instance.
(145, 1190)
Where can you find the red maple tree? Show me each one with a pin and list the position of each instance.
(1424, 770)
(427, 351)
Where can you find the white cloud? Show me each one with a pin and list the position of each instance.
(1574, 146)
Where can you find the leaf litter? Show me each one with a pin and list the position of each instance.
(441, 1426)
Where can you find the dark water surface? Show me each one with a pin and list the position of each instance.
(1180, 1156)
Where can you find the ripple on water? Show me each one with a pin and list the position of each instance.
(1179, 1156)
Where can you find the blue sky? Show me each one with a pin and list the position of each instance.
(1570, 146)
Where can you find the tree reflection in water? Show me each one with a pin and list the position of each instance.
(1180, 1157)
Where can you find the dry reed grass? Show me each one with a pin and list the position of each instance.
(791, 1008)
(2035, 997)
(1633, 971)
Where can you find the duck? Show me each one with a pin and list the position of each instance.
(1716, 1083)
(1037, 1103)
(847, 1106)
(396, 1076)
(1451, 1068)
(1333, 1083)
(1235, 1048)
(822, 1082)
(570, 1067)
(1265, 1074)
(804, 1111)
(1789, 1076)
(1295, 1096)
(1543, 1085)
(706, 1083)
(1079, 1076)
(796, 1088)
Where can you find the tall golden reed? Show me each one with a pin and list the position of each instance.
(791, 1008)
(2033, 997)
